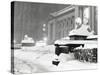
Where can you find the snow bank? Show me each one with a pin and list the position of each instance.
(21, 67)
(49, 48)
(66, 57)
(41, 61)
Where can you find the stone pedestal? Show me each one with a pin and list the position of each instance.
(78, 37)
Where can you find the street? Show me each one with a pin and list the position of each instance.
(39, 60)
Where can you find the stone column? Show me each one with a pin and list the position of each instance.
(91, 21)
(48, 32)
(95, 20)
(81, 13)
(54, 29)
(76, 12)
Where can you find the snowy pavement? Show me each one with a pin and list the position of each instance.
(36, 60)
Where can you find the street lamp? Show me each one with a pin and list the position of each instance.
(44, 25)
(43, 29)
(45, 39)
(44, 33)
(14, 41)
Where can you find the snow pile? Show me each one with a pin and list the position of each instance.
(21, 67)
(88, 46)
(62, 40)
(41, 61)
(41, 43)
(92, 36)
(75, 65)
(65, 57)
(49, 48)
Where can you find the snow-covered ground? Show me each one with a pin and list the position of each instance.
(39, 59)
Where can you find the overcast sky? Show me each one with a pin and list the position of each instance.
(29, 18)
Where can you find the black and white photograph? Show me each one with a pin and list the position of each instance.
(52, 37)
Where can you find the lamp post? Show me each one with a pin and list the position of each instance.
(44, 25)
(44, 32)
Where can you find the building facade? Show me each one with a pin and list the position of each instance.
(63, 21)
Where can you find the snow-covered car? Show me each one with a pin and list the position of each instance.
(27, 41)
